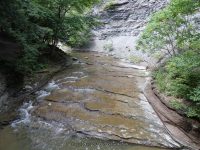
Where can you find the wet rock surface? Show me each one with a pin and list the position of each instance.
(101, 98)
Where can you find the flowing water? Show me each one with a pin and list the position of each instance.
(96, 104)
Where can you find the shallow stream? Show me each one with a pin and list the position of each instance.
(96, 104)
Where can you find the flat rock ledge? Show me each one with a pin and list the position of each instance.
(174, 122)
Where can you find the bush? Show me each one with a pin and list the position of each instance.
(159, 75)
(29, 61)
(171, 30)
(181, 78)
(194, 96)
(172, 33)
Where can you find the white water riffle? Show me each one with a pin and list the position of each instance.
(24, 114)
(25, 109)
(51, 86)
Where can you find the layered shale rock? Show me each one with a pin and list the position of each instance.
(122, 23)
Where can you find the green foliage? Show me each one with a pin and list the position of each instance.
(35, 24)
(181, 74)
(193, 111)
(177, 105)
(68, 19)
(17, 21)
(195, 95)
(184, 72)
(29, 62)
(180, 78)
(79, 29)
(159, 75)
(170, 30)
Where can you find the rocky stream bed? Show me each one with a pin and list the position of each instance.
(98, 103)
(98, 97)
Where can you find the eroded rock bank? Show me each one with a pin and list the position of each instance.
(183, 129)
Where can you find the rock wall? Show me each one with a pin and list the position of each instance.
(127, 17)
(122, 23)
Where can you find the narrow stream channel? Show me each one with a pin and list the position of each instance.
(96, 104)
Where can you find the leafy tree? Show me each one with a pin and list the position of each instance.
(170, 29)
(35, 24)
(16, 22)
(180, 78)
(68, 19)
(173, 31)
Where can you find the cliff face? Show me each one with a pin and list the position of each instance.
(122, 23)
(127, 17)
